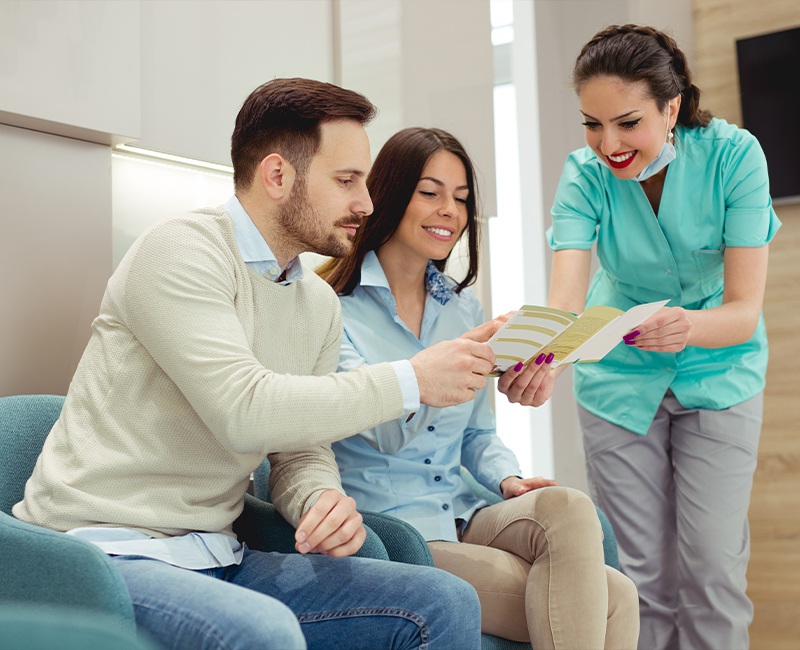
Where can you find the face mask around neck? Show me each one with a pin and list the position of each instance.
(664, 157)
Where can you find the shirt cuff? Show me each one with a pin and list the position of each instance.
(408, 385)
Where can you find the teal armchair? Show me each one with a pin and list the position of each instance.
(53, 585)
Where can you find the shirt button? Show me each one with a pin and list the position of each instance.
(427, 461)
(667, 271)
(437, 478)
(445, 507)
(273, 271)
(431, 428)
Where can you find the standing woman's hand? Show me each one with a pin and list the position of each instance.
(531, 385)
(665, 331)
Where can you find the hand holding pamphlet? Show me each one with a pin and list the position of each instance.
(571, 338)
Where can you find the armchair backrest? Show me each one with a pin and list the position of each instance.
(25, 421)
(58, 570)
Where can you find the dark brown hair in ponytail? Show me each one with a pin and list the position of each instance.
(640, 53)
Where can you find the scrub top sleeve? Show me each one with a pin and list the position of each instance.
(750, 220)
(575, 209)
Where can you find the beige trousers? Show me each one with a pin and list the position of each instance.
(537, 564)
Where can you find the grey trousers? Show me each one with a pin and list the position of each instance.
(677, 499)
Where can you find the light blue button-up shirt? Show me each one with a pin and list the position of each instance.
(254, 249)
(716, 194)
(210, 550)
(411, 469)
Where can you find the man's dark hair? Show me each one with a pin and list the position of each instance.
(283, 116)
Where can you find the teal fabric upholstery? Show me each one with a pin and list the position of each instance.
(31, 627)
(25, 421)
(52, 568)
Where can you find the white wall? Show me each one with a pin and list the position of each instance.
(201, 59)
(426, 64)
(68, 69)
(55, 255)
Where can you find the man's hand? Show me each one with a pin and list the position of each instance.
(487, 330)
(332, 526)
(450, 372)
(531, 385)
(514, 486)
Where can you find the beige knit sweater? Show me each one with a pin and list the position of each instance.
(196, 369)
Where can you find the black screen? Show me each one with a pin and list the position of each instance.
(769, 79)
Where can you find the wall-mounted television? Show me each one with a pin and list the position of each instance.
(769, 80)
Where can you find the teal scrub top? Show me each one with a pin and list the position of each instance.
(716, 194)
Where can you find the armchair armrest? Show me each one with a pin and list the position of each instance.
(69, 571)
(40, 627)
(402, 541)
(262, 528)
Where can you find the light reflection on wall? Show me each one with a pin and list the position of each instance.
(144, 192)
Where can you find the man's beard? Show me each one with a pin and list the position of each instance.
(301, 222)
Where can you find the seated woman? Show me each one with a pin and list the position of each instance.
(536, 558)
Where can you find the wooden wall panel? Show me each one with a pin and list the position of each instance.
(774, 570)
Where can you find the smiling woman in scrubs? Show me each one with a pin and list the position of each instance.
(678, 205)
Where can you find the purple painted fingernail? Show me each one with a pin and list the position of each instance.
(540, 359)
(518, 367)
(550, 358)
(631, 335)
(629, 341)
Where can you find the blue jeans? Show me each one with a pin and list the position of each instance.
(275, 601)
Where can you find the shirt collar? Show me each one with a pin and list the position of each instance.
(372, 274)
(436, 282)
(254, 249)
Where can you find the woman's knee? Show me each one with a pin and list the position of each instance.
(623, 597)
(564, 507)
(622, 628)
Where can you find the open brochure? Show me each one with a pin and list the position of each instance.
(571, 338)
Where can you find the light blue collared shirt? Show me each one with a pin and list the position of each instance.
(210, 550)
(190, 551)
(255, 251)
(411, 469)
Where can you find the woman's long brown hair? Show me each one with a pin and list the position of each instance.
(391, 183)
